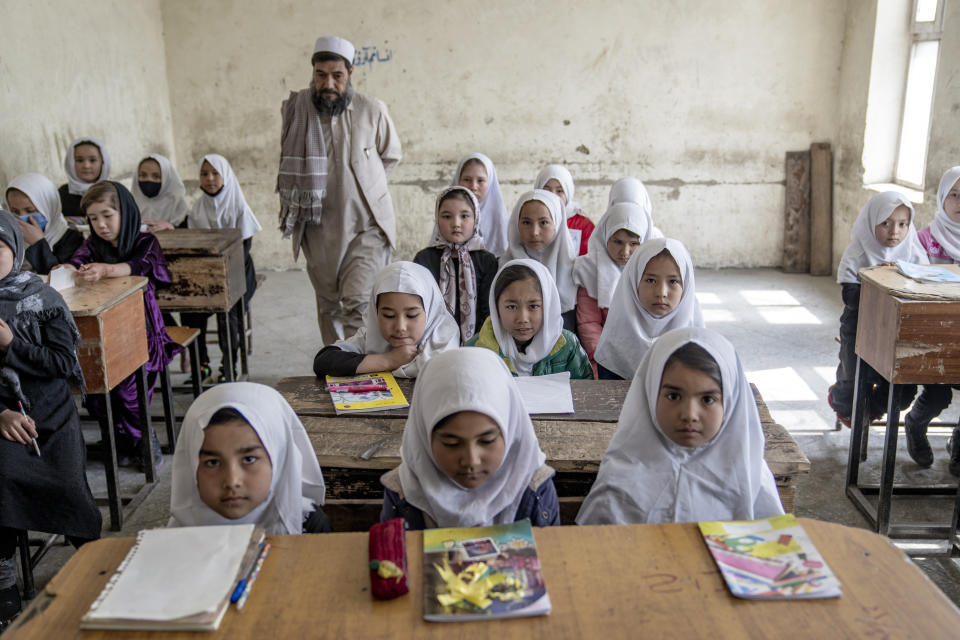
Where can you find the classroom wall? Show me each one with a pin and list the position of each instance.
(944, 151)
(68, 70)
(698, 99)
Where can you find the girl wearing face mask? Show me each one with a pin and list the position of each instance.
(159, 193)
(49, 240)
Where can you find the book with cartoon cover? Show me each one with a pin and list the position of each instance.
(769, 559)
(482, 573)
(365, 392)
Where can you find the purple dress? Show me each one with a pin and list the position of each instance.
(145, 259)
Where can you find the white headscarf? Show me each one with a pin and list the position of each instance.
(168, 205)
(596, 271)
(865, 251)
(296, 484)
(630, 329)
(46, 199)
(558, 256)
(542, 344)
(441, 332)
(75, 185)
(944, 230)
(562, 175)
(645, 477)
(629, 189)
(467, 379)
(493, 212)
(226, 210)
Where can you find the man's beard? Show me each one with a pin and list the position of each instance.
(326, 103)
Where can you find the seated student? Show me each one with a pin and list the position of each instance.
(689, 445)
(159, 193)
(618, 234)
(882, 233)
(406, 324)
(629, 189)
(38, 353)
(556, 179)
(655, 294)
(49, 239)
(221, 205)
(525, 328)
(470, 456)
(244, 458)
(458, 261)
(941, 239)
(116, 248)
(86, 163)
(476, 172)
(538, 230)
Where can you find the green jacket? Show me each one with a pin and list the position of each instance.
(566, 355)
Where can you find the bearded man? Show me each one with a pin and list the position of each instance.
(337, 147)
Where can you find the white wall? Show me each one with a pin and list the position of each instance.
(698, 99)
(68, 70)
(944, 150)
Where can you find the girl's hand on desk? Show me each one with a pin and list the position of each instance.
(158, 225)
(17, 427)
(93, 271)
(6, 335)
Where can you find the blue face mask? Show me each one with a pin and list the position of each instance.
(38, 217)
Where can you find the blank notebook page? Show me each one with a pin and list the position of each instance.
(174, 573)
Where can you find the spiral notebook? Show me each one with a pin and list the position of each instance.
(176, 579)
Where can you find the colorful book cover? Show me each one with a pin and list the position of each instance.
(769, 559)
(366, 396)
(482, 573)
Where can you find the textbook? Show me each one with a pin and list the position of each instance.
(927, 272)
(365, 393)
(178, 579)
(482, 573)
(770, 559)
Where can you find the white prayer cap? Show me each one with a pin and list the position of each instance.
(337, 45)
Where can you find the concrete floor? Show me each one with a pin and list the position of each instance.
(783, 327)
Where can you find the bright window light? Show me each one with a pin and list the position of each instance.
(778, 385)
(829, 374)
(800, 420)
(926, 11)
(768, 298)
(912, 155)
(717, 315)
(788, 315)
(707, 298)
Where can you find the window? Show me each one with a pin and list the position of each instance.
(926, 28)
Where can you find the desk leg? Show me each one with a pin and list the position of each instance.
(859, 425)
(954, 543)
(241, 335)
(223, 329)
(169, 419)
(110, 466)
(888, 467)
(147, 440)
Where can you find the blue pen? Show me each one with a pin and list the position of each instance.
(238, 591)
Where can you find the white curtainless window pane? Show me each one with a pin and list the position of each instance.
(916, 113)
(926, 11)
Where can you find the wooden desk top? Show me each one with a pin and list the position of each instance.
(896, 284)
(633, 581)
(200, 242)
(93, 298)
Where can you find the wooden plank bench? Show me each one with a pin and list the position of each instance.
(354, 451)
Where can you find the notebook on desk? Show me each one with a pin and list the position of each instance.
(177, 579)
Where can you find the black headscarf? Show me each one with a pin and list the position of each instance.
(103, 251)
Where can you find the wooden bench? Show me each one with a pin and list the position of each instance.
(354, 451)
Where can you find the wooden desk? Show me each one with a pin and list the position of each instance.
(626, 581)
(208, 277)
(113, 345)
(355, 450)
(907, 331)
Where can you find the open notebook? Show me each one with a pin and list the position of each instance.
(177, 579)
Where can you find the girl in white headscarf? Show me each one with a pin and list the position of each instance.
(159, 193)
(86, 163)
(221, 205)
(882, 233)
(457, 259)
(525, 327)
(50, 240)
(405, 324)
(244, 457)
(689, 445)
(470, 456)
(629, 189)
(942, 242)
(538, 230)
(656, 293)
(476, 172)
(556, 179)
(620, 231)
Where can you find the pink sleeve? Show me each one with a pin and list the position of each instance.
(589, 322)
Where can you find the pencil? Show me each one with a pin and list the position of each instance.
(36, 447)
(253, 576)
